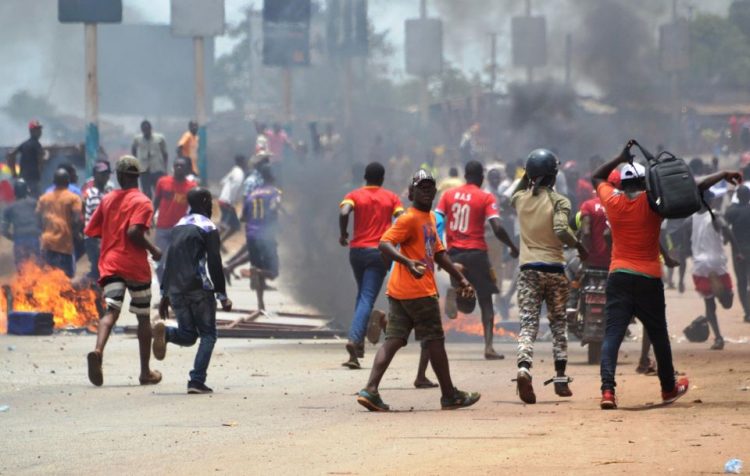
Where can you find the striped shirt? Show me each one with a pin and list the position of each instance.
(92, 197)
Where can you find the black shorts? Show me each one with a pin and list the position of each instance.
(229, 216)
(264, 255)
(477, 270)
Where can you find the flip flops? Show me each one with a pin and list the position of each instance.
(425, 384)
(153, 378)
(375, 326)
(96, 376)
(459, 399)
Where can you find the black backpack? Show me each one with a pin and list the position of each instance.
(670, 185)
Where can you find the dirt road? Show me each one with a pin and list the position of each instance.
(284, 407)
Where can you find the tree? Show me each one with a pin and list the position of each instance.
(720, 53)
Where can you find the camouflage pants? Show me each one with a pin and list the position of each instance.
(534, 288)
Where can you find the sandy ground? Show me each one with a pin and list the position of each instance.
(287, 407)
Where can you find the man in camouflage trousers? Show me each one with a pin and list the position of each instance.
(543, 218)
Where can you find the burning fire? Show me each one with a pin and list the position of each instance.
(472, 325)
(44, 289)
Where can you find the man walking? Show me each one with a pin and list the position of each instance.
(21, 225)
(92, 197)
(150, 148)
(193, 280)
(187, 147)
(543, 216)
(634, 286)
(412, 295)
(466, 210)
(31, 158)
(231, 193)
(374, 209)
(122, 221)
(59, 212)
(170, 201)
(738, 217)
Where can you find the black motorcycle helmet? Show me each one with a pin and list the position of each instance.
(20, 188)
(541, 168)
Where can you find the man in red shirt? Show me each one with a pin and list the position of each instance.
(466, 210)
(593, 227)
(634, 286)
(121, 221)
(170, 200)
(374, 208)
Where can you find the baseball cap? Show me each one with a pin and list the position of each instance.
(34, 124)
(127, 164)
(102, 166)
(615, 178)
(421, 176)
(632, 171)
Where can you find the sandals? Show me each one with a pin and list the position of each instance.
(159, 331)
(425, 384)
(372, 401)
(153, 378)
(96, 376)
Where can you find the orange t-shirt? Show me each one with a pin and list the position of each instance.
(416, 233)
(188, 145)
(57, 209)
(635, 231)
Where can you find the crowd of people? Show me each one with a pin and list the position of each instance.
(504, 232)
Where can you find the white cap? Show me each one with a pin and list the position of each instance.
(632, 171)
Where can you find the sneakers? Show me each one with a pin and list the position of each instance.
(159, 333)
(562, 389)
(451, 306)
(372, 401)
(680, 389)
(459, 399)
(608, 401)
(195, 387)
(525, 389)
(718, 344)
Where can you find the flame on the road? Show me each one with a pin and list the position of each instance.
(472, 325)
(44, 289)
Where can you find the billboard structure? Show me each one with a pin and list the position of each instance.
(286, 32)
(89, 11)
(197, 17)
(145, 71)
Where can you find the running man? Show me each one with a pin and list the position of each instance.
(412, 295)
(738, 216)
(261, 212)
(374, 208)
(634, 286)
(122, 220)
(543, 216)
(193, 281)
(466, 210)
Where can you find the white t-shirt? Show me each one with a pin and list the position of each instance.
(231, 185)
(708, 246)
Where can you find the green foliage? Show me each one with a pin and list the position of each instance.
(720, 52)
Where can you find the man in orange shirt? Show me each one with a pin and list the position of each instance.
(412, 295)
(374, 208)
(188, 146)
(634, 286)
(59, 212)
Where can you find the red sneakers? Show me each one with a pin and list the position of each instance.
(680, 389)
(608, 400)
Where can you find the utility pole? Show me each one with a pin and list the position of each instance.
(676, 106)
(92, 97)
(424, 100)
(287, 71)
(493, 61)
(200, 104)
(568, 57)
(529, 69)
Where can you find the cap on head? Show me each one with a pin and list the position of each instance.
(615, 179)
(127, 164)
(102, 166)
(632, 172)
(34, 124)
(541, 163)
(421, 176)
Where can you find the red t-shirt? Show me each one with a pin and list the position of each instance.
(374, 208)
(466, 209)
(599, 251)
(635, 232)
(120, 257)
(584, 190)
(172, 196)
